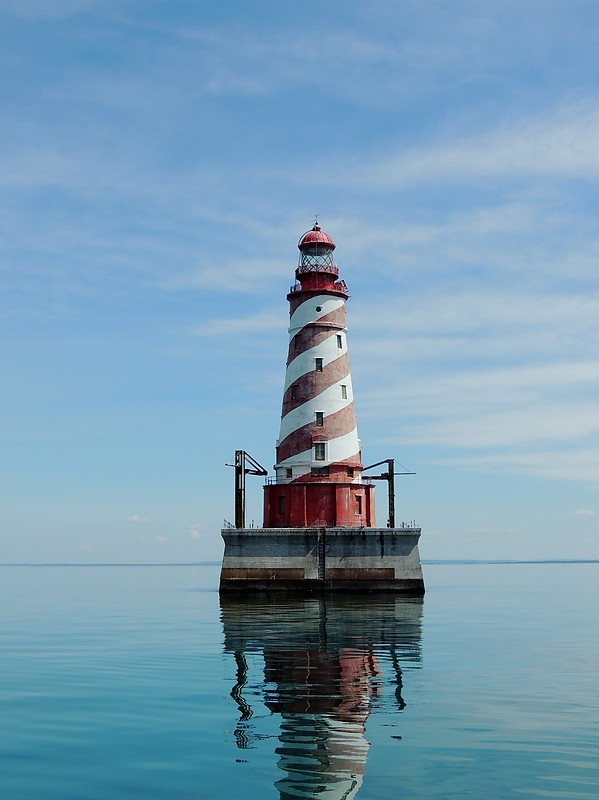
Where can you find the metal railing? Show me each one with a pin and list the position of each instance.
(338, 286)
(281, 479)
(330, 269)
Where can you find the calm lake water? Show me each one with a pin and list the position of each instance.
(139, 683)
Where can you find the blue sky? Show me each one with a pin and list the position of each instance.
(159, 161)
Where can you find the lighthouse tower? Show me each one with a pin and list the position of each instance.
(319, 467)
(319, 531)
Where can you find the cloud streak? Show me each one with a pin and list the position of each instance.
(571, 464)
(507, 376)
(44, 10)
(137, 519)
(559, 145)
(263, 322)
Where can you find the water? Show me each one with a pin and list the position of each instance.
(137, 682)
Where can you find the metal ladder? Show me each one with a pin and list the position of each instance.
(321, 553)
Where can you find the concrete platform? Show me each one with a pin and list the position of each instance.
(322, 559)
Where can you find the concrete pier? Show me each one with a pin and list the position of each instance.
(322, 559)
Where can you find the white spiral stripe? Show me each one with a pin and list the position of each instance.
(340, 449)
(329, 402)
(302, 364)
(307, 312)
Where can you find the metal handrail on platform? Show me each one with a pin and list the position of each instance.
(338, 286)
(280, 479)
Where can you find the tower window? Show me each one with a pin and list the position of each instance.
(318, 364)
(320, 472)
(288, 472)
(319, 418)
(281, 504)
(297, 341)
(350, 472)
(319, 451)
(343, 391)
(359, 505)
(294, 392)
(339, 340)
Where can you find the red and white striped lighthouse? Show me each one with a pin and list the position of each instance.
(319, 530)
(318, 463)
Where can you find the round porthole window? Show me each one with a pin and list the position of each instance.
(319, 308)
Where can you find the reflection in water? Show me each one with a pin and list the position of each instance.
(324, 665)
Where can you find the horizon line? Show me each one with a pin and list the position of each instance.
(429, 561)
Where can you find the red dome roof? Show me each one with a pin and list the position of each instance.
(316, 236)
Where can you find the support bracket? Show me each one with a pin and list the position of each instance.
(388, 476)
(242, 459)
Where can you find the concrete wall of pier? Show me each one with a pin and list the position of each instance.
(344, 559)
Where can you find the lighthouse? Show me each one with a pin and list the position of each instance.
(319, 528)
(319, 466)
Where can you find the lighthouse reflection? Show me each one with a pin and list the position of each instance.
(329, 662)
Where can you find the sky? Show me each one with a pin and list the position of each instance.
(159, 160)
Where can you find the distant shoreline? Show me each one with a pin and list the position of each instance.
(430, 562)
(113, 564)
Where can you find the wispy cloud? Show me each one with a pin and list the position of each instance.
(194, 532)
(249, 63)
(559, 145)
(137, 519)
(261, 322)
(510, 376)
(520, 247)
(524, 337)
(513, 427)
(249, 276)
(571, 463)
(585, 512)
(43, 9)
